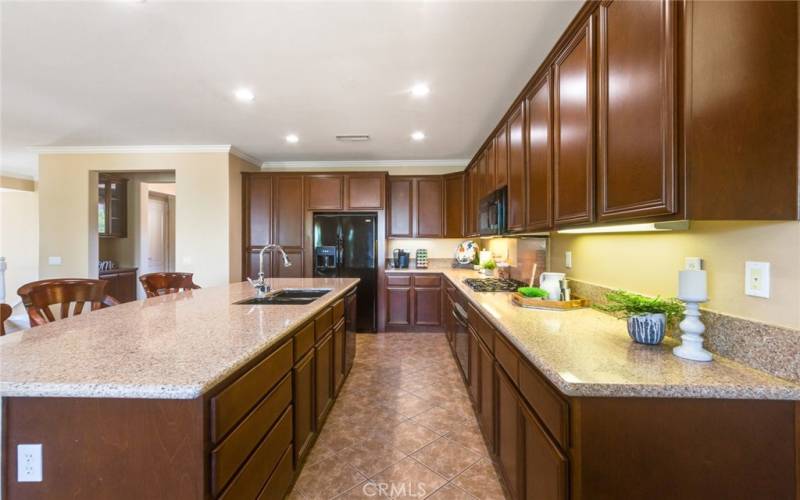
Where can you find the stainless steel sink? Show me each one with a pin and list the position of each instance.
(288, 296)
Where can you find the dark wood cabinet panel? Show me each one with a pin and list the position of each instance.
(428, 203)
(545, 472)
(490, 181)
(508, 432)
(258, 210)
(121, 284)
(474, 369)
(289, 212)
(323, 360)
(540, 156)
(516, 170)
(398, 306)
(427, 306)
(501, 157)
(324, 192)
(303, 401)
(454, 205)
(365, 191)
(487, 394)
(401, 199)
(471, 204)
(573, 130)
(338, 356)
(251, 264)
(295, 257)
(112, 206)
(482, 178)
(636, 150)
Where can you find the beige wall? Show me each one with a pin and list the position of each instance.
(19, 239)
(67, 205)
(648, 263)
(440, 248)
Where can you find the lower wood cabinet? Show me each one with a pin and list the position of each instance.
(474, 368)
(545, 465)
(120, 284)
(508, 431)
(414, 302)
(304, 417)
(323, 356)
(339, 339)
(487, 394)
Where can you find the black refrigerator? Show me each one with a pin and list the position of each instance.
(345, 247)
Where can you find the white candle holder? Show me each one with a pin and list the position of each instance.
(692, 339)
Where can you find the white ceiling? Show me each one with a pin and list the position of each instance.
(123, 73)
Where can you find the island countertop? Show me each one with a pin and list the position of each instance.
(175, 346)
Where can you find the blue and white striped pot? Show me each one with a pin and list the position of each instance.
(647, 328)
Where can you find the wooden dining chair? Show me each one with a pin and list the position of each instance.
(72, 294)
(5, 313)
(156, 284)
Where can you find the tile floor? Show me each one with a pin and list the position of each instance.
(402, 427)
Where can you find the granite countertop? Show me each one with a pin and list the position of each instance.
(175, 346)
(588, 353)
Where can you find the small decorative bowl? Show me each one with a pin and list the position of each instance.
(647, 329)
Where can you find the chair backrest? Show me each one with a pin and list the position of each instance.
(72, 294)
(156, 284)
(5, 313)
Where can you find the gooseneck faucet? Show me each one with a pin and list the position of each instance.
(261, 286)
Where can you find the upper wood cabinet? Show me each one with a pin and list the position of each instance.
(428, 206)
(454, 205)
(112, 207)
(516, 170)
(401, 211)
(324, 192)
(258, 210)
(365, 191)
(289, 212)
(490, 181)
(573, 130)
(482, 177)
(636, 150)
(539, 137)
(501, 157)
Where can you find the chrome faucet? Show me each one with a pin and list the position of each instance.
(262, 287)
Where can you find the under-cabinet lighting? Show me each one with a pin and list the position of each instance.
(645, 227)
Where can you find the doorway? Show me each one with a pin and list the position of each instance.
(158, 233)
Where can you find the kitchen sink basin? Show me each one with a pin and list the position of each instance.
(288, 296)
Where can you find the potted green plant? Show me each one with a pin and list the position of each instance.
(647, 317)
(488, 267)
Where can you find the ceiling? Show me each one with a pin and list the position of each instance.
(123, 73)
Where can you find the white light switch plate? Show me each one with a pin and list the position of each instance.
(694, 264)
(756, 279)
(54, 260)
(568, 260)
(29, 463)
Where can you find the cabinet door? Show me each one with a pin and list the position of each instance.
(398, 306)
(573, 130)
(501, 157)
(428, 207)
(251, 264)
(258, 210)
(636, 90)
(516, 170)
(540, 156)
(338, 356)
(303, 401)
(487, 393)
(401, 192)
(545, 475)
(508, 432)
(295, 257)
(428, 306)
(324, 192)
(474, 369)
(365, 191)
(323, 358)
(490, 182)
(483, 179)
(126, 286)
(454, 206)
(289, 212)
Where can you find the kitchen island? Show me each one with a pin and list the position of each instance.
(186, 395)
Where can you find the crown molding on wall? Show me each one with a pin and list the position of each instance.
(371, 164)
(246, 157)
(191, 148)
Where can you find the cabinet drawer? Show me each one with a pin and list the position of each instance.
(323, 323)
(253, 475)
(427, 281)
(233, 403)
(481, 326)
(398, 280)
(278, 485)
(233, 451)
(551, 408)
(303, 341)
(506, 356)
(338, 310)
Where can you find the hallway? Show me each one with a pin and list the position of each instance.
(403, 426)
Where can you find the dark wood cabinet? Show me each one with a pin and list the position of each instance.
(540, 156)
(483, 177)
(573, 130)
(365, 191)
(508, 432)
(501, 157)
(428, 207)
(120, 283)
(427, 306)
(303, 400)
(339, 340)
(545, 465)
(454, 205)
(401, 207)
(112, 206)
(490, 179)
(289, 210)
(258, 210)
(414, 302)
(295, 256)
(636, 150)
(487, 394)
(516, 170)
(323, 359)
(474, 385)
(324, 192)
(398, 306)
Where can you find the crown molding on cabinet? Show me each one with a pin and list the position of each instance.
(367, 164)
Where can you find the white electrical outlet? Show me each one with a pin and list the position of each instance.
(54, 260)
(568, 260)
(29, 463)
(756, 279)
(694, 264)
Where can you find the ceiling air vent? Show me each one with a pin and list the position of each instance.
(352, 137)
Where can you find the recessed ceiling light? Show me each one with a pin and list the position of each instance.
(245, 95)
(420, 90)
(418, 135)
(292, 138)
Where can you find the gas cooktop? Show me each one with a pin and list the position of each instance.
(493, 284)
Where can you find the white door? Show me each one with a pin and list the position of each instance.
(158, 234)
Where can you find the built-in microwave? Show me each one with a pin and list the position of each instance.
(492, 213)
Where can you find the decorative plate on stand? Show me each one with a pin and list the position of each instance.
(466, 252)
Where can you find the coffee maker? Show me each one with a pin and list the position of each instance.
(400, 259)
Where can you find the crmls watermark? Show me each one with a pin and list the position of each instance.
(394, 490)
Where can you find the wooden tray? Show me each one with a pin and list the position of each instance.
(553, 305)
